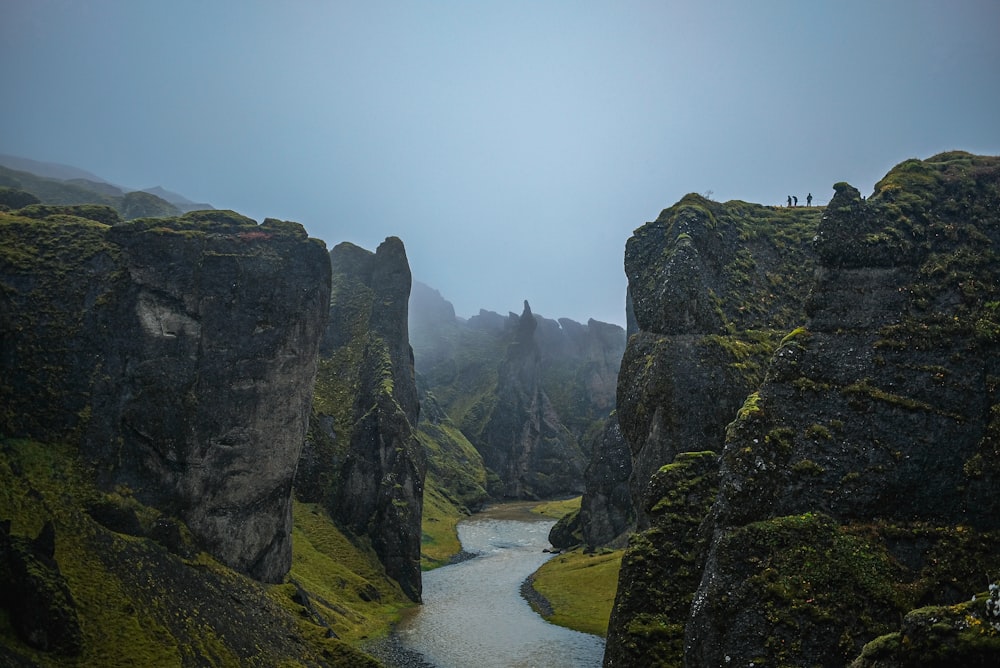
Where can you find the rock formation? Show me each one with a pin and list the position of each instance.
(363, 460)
(523, 440)
(527, 391)
(179, 353)
(607, 512)
(713, 288)
(857, 474)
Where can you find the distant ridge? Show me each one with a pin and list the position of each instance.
(181, 202)
(50, 170)
(87, 181)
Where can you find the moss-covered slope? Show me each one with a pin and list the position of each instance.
(140, 591)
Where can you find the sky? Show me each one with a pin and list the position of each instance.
(513, 146)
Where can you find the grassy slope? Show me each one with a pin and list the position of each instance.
(440, 537)
(579, 587)
(139, 604)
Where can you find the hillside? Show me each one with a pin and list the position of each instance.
(24, 182)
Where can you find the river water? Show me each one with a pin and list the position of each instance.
(473, 614)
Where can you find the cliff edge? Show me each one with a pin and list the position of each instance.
(850, 483)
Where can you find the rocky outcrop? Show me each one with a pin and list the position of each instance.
(363, 460)
(523, 440)
(661, 569)
(179, 353)
(871, 444)
(529, 393)
(606, 511)
(854, 477)
(35, 595)
(712, 289)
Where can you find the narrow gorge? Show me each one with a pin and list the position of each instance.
(222, 443)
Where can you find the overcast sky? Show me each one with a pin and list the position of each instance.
(513, 146)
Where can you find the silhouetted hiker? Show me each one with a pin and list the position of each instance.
(789, 200)
(809, 199)
(796, 200)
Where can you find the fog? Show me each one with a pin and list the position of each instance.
(512, 146)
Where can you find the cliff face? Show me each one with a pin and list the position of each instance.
(871, 446)
(855, 476)
(523, 441)
(363, 460)
(528, 392)
(179, 353)
(606, 509)
(713, 288)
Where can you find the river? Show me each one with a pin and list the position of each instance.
(473, 614)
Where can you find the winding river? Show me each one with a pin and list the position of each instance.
(473, 613)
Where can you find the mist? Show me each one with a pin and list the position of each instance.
(512, 146)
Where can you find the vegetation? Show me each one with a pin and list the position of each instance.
(20, 188)
(579, 588)
(142, 597)
(576, 588)
(558, 508)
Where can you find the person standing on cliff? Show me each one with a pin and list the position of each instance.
(789, 201)
(796, 200)
(809, 199)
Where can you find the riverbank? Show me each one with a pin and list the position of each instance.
(474, 613)
(390, 652)
(579, 589)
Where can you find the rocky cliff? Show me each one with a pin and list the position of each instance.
(155, 383)
(713, 288)
(523, 441)
(855, 477)
(528, 392)
(179, 353)
(362, 459)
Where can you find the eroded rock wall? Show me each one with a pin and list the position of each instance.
(363, 460)
(859, 481)
(524, 441)
(855, 472)
(180, 354)
(530, 393)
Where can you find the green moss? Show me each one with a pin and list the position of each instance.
(864, 390)
(818, 432)
(957, 635)
(799, 335)
(807, 467)
(347, 583)
(139, 604)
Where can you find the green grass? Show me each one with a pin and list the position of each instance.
(139, 604)
(339, 575)
(439, 540)
(580, 588)
(556, 509)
